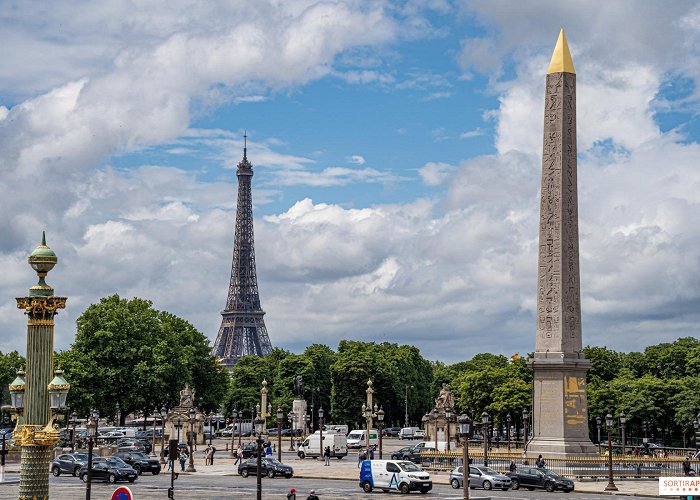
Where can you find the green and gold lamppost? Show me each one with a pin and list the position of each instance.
(43, 397)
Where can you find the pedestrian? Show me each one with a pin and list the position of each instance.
(512, 467)
(211, 456)
(239, 455)
(183, 459)
(207, 455)
(360, 458)
(686, 466)
(292, 495)
(268, 450)
(539, 462)
(327, 455)
(168, 459)
(371, 452)
(312, 495)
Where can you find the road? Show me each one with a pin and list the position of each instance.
(235, 487)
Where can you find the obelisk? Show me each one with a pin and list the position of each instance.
(560, 413)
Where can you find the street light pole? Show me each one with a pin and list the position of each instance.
(153, 438)
(91, 426)
(368, 417)
(448, 417)
(436, 414)
(320, 430)
(598, 422)
(233, 428)
(464, 424)
(526, 421)
(623, 419)
(611, 484)
(508, 419)
(485, 432)
(380, 426)
(406, 423)
(74, 423)
(163, 415)
(280, 414)
(193, 419)
(259, 427)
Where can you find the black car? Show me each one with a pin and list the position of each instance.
(110, 469)
(533, 477)
(391, 432)
(140, 462)
(411, 453)
(70, 463)
(268, 467)
(398, 454)
(133, 444)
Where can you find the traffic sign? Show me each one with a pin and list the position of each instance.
(122, 493)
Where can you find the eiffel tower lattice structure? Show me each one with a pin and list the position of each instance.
(242, 330)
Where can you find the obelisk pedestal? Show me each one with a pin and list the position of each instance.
(560, 413)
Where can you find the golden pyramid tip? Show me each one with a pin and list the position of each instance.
(561, 57)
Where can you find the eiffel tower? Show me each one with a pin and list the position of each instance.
(242, 330)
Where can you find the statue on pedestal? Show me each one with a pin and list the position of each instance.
(299, 386)
(187, 397)
(445, 399)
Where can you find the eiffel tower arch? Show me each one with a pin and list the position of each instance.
(242, 330)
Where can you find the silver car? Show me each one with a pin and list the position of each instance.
(456, 478)
(487, 478)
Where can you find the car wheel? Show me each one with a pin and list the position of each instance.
(366, 487)
(404, 488)
(83, 478)
(76, 471)
(406, 457)
(112, 478)
(244, 473)
(515, 484)
(531, 488)
(567, 490)
(156, 472)
(455, 484)
(270, 473)
(549, 486)
(486, 485)
(288, 476)
(137, 468)
(132, 479)
(301, 455)
(56, 470)
(424, 491)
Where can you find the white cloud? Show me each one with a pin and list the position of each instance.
(356, 159)
(435, 173)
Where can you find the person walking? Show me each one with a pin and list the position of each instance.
(539, 462)
(239, 455)
(687, 469)
(268, 450)
(327, 456)
(371, 452)
(169, 459)
(292, 495)
(360, 458)
(183, 458)
(211, 455)
(512, 467)
(207, 455)
(312, 495)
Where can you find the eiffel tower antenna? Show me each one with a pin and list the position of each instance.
(242, 331)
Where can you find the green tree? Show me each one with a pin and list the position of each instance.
(605, 363)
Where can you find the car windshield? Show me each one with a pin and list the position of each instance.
(81, 456)
(355, 435)
(409, 466)
(489, 471)
(139, 455)
(550, 473)
(116, 462)
(272, 461)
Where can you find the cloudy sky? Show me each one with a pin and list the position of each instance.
(396, 148)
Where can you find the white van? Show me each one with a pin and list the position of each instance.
(388, 475)
(311, 446)
(358, 438)
(406, 433)
(340, 429)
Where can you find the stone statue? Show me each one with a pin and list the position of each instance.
(445, 399)
(299, 386)
(187, 396)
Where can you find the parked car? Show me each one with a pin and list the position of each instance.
(487, 478)
(148, 434)
(398, 454)
(457, 478)
(250, 450)
(292, 432)
(70, 463)
(140, 462)
(412, 453)
(532, 478)
(268, 466)
(133, 444)
(391, 431)
(110, 469)
(418, 434)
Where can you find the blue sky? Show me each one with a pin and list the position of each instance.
(396, 148)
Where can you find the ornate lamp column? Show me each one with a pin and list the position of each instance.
(193, 437)
(163, 415)
(623, 420)
(485, 432)
(380, 426)
(280, 414)
(73, 423)
(464, 425)
(35, 432)
(598, 422)
(611, 484)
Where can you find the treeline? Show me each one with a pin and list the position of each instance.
(130, 356)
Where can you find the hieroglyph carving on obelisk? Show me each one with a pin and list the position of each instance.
(560, 413)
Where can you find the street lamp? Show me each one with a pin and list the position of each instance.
(611, 484)
(280, 414)
(448, 416)
(485, 432)
(240, 432)
(193, 419)
(320, 430)
(508, 419)
(91, 428)
(464, 427)
(526, 421)
(293, 419)
(380, 425)
(435, 415)
(163, 415)
(259, 427)
(598, 421)
(623, 419)
(406, 424)
(211, 416)
(73, 423)
(367, 410)
(233, 428)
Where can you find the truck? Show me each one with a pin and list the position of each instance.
(311, 446)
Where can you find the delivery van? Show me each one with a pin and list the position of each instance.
(311, 446)
(388, 475)
(358, 438)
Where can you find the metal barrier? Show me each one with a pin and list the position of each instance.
(595, 467)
